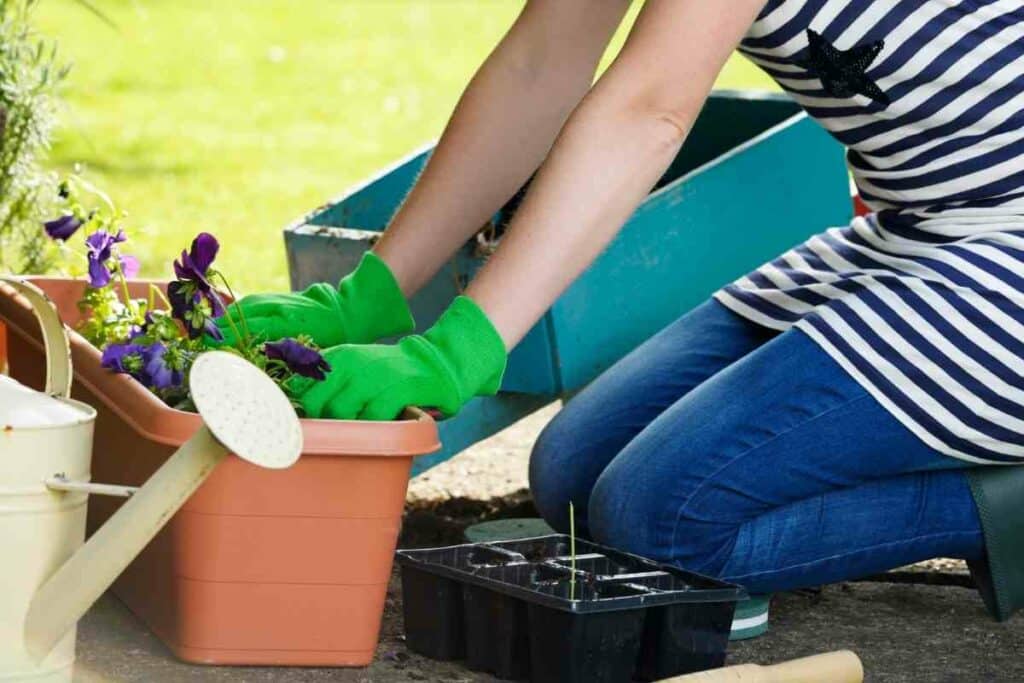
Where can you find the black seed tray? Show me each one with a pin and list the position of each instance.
(513, 608)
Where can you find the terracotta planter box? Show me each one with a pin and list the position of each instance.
(259, 567)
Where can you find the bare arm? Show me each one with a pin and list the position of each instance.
(616, 145)
(502, 128)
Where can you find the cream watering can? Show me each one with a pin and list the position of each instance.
(48, 578)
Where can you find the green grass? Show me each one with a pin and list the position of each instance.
(238, 117)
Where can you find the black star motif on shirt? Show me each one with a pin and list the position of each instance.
(843, 72)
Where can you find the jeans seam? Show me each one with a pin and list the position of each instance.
(683, 506)
(839, 555)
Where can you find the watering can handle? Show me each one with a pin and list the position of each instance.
(55, 338)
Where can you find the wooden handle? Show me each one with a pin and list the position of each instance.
(842, 666)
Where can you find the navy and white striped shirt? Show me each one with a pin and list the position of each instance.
(921, 301)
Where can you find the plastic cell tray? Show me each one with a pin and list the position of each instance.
(524, 610)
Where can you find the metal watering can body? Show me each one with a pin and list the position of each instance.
(51, 575)
(40, 529)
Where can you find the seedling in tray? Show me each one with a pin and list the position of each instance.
(556, 609)
(572, 548)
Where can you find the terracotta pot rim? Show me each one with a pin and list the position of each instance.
(152, 419)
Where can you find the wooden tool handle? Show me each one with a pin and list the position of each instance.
(842, 666)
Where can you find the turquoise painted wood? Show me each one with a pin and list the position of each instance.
(755, 177)
(704, 229)
(479, 419)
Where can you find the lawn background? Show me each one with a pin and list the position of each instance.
(238, 116)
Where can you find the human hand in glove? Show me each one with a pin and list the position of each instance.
(367, 305)
(460, 357)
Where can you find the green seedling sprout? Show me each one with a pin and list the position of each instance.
(572, 551)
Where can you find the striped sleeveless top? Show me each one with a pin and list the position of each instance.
(922, 301)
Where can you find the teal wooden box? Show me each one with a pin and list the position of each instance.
(755, 177)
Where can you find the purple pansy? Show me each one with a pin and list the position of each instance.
(151, 365)
(62, 228)
(100, 246)
(300, 359)
(190, 307)
(193, 299)
(129, 266)
(125, 358)
(181, 302)
(195, 262)
(160, 372)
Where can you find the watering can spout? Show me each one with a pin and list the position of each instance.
(244, 413)
(65, 597)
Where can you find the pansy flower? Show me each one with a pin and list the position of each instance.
(63, 227)
(161, 367)
(195, 263)
(193, 299)
(129, 265)
(299, 358)
(124, 358)
(100, 247)
(194, 310)
(155, 366)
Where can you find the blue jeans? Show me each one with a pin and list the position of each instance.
(733, 450)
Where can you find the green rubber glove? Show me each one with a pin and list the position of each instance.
(460, 357)
(366, 306)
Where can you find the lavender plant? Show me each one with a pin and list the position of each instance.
(155, 339)
(30, 75)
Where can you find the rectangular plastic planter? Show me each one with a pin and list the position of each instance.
(261, 567)
(511, 609)
(755, 177)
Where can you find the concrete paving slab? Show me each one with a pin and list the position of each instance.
(904, 633)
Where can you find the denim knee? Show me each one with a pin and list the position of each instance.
(631, 510)
(569, 456)
(551, 479)
(621, 519)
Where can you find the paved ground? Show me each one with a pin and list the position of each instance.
(905, 632)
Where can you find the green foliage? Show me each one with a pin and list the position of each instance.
(30, 75)
(106, 319)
